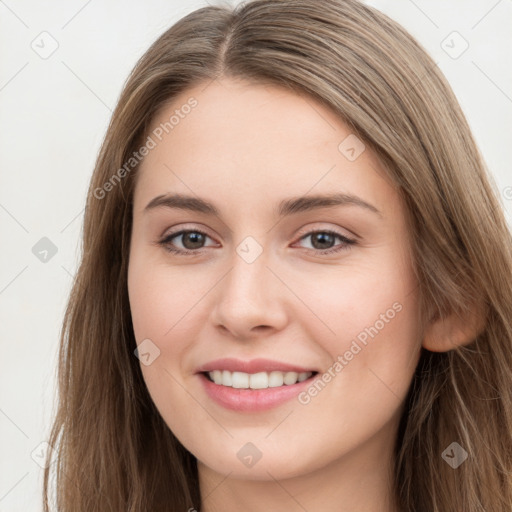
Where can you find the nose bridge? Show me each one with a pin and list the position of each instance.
(248, 295)
(249, 274)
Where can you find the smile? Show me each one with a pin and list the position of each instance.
(260, 380)
(256, 392)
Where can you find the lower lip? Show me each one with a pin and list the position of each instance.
(252, 400)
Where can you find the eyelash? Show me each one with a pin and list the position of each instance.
(347, 242)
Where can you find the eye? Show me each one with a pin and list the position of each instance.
(323, 240)
(193, 240)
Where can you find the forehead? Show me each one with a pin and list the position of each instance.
(251, 143)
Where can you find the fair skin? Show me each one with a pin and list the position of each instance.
(245, 148)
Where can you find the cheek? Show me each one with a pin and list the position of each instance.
(369, 328)
(166, 308)
(161, 302)
(370, 303)
(373, 354)
(374, 347)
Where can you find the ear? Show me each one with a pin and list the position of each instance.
(456, 329)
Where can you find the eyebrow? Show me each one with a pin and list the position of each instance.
(285, 208)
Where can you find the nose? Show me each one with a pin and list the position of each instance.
(250, 300)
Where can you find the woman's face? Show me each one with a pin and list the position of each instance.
(277, 278)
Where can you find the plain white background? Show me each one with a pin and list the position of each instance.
(54, 110)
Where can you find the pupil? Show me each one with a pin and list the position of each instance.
(197, 240)
(322, 237)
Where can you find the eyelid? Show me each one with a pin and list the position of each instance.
(346, 241)
(319, 226)
(180, 228)
(305, 230)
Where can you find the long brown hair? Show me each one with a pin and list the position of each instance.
(113, 451)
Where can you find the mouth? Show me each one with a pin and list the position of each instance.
(254, 392)
(260, 380)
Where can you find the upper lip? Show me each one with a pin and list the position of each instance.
(252, 366)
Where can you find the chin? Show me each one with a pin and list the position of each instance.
(270, 466)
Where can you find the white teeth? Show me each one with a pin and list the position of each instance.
(258, 380)
(216, 375)
(226, 379)
(290, 378)
(239, 380)
(275, 379)
(261, 380)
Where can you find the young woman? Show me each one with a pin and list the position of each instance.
(296, 284)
